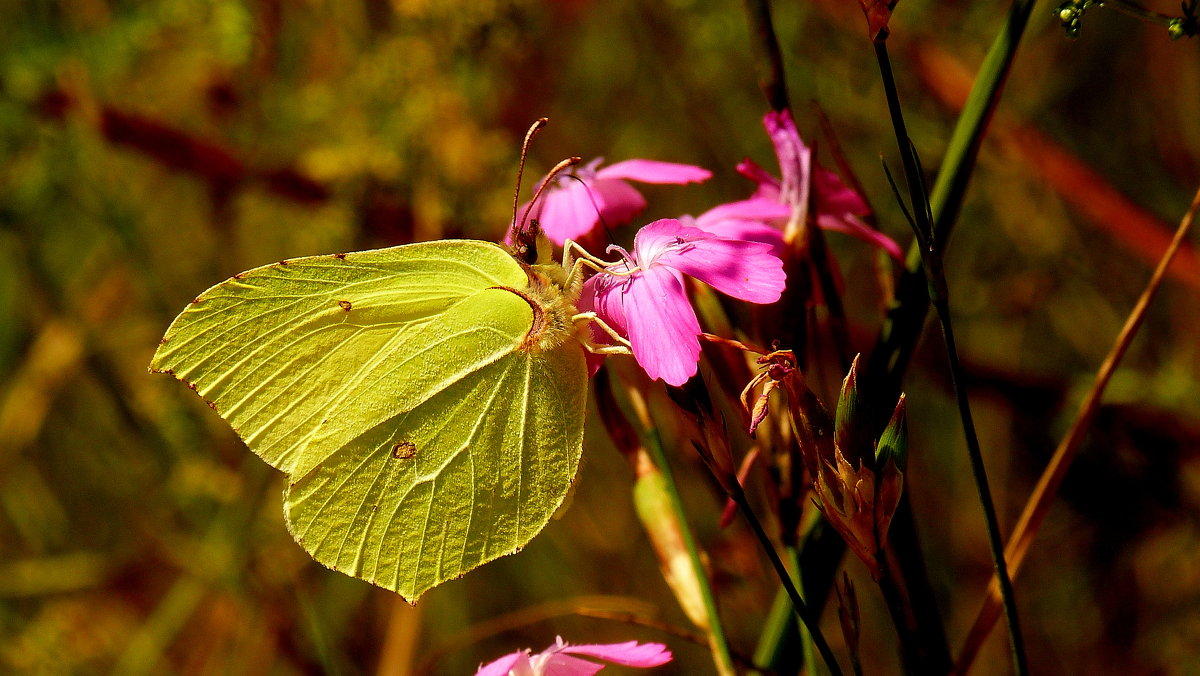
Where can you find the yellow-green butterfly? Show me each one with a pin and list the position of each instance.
(425, 400)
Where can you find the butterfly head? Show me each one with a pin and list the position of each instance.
(530, 245)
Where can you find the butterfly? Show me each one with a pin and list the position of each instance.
(426, 401)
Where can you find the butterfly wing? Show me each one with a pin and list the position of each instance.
(419, 440)
(470, 475)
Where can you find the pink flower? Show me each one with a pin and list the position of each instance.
(837, 206)
(570, 208)
(559, 660)
(646, 301)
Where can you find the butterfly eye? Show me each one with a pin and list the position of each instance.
(525, 242)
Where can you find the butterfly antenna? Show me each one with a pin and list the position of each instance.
(595, 206)
(569, 162)
(533, 130)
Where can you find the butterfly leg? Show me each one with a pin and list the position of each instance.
(575, 258)
(622, 346)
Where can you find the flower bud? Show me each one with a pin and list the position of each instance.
(1180, 27)
(848, 433)
(860, 501)
(893, 443)
(891, 454)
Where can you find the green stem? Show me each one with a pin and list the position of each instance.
(912, 171)
(979, 472)
(783, 645)
(807, 617)
(923, 644)
(906, 317)
(889, 360)
(716, 633)
(1137, 11)
(937, 290)
(950, 187)
(780, 634)
(807, 644)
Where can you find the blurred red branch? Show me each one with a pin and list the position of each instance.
(221, 167)
(1089, 193)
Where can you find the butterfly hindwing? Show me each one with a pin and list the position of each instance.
(467, 476)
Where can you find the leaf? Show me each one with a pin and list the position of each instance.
(421, 436)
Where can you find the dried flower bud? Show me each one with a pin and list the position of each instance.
(846, 496)
(878, 13)
(848, 614)
(713, 443)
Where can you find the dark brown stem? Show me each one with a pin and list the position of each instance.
(768, 54)
(912, 656)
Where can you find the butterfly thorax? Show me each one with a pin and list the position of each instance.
(551, 292)
(552, 298)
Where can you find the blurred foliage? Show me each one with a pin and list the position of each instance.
(151, 149)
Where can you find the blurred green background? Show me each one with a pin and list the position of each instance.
(151, 149)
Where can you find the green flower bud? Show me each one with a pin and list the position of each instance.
(847, 435)
(1177, 28)
(893, 443)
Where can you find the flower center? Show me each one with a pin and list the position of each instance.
(627, 260)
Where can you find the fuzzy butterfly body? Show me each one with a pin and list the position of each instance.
(426, 400)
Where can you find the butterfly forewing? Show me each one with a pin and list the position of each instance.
(285, 352)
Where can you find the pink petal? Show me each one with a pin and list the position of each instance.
(754, 209)
(835, 197)
(752, 171)
(750, 231)
(630, 654)
(619, 201)
(795, 158)
(663, 328)
(652, 171)
(567, 211)
(600, 295)
(565, 665)
(854, 227)
(745, 270)
(505, 664)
